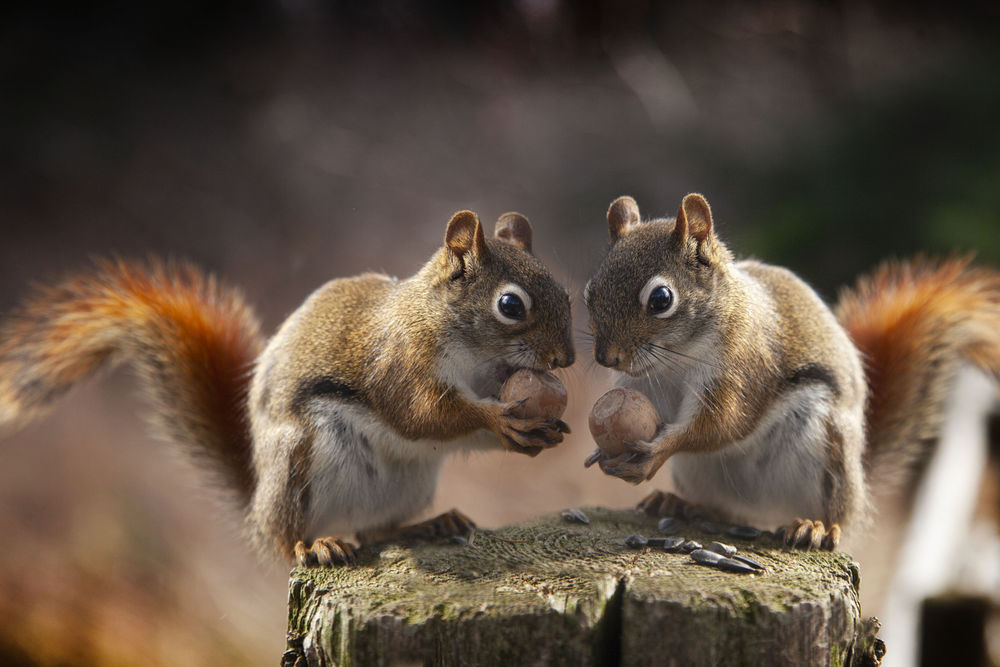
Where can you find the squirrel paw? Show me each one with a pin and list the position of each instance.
(806, 534)
(450, 524)
(529, 436)
(660, 504)
(324, 552)
(636, 464)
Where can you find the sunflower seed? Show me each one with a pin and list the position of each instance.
(722, 549)
(749, 561)
(573, 515)
(635, 541)
(733, 565)
(705, 557)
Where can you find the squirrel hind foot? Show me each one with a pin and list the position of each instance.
(325, 552)
(810, 535)
(661, 504)
(450, 524)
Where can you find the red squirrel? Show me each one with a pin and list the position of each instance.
(777, 410)
(341, 421)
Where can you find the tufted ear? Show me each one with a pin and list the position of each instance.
(464, 238)
(623, 217)
(514, 228)
(694, 220)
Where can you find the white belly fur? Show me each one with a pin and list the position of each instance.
(366, 476)
(771, 477)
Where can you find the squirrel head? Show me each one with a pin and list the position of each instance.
(502, 302)
(659, 288)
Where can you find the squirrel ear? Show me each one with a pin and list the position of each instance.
(694, 219)
(623, 217)
(464, 236)
(514, 228)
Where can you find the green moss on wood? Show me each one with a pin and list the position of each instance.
(551, 592)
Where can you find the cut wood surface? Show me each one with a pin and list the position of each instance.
(552, 592)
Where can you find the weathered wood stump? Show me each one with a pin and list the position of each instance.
(551, 592)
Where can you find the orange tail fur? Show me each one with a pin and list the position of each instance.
(192, 341)
(914, 322)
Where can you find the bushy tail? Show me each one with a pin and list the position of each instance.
(914, 322)
(192, 341)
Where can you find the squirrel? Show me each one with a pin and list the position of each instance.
(778, 411)
(342, 420)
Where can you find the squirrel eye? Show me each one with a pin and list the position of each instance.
(511, 306)
(660, 300)
(657, 298)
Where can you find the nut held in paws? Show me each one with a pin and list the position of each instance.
(622, 415)
(545, 393)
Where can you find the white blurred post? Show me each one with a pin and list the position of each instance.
(942, 516)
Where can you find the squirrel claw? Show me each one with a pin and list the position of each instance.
(660, 504)
(623, 469)
(531, 436)
(596, 456)
(809, 535)
(449, 524)
(325, 552)
(636, 464)
(509, 408)
(553, 431)
(454, 523)
(528, 450)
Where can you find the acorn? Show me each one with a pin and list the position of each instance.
(622, 415)
(543, 395)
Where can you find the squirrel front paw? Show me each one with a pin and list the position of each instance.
(637, 462)
(324, 552)
(528, 435)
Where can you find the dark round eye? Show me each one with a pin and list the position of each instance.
(511, 305)
(660, 300)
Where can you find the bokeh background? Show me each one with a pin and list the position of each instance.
(279, 143)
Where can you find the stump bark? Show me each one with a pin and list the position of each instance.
(551, 592)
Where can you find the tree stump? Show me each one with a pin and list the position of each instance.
(552, 592)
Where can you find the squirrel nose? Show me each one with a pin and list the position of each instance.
(562, 359)
(604, 360)
(609, 356)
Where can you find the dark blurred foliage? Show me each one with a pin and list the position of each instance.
(828, 134)
(911, 170)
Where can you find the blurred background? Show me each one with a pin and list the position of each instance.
(282, 143)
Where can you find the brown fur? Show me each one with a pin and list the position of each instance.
(383, 339)
(757, 333)
(910, 323)
(367, 339)
(758, 348)
(383, 345)
(193, 341)
(913, 322)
